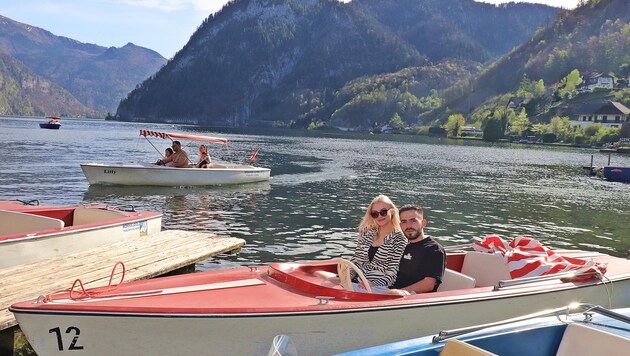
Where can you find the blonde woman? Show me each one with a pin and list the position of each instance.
(380, 245)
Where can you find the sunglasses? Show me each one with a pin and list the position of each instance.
(382, 212)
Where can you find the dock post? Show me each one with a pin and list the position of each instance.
(591, 164)
(6, 341)
(609, 159)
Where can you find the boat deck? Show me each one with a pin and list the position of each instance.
(144, 258)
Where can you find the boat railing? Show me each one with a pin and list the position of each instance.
(457, 248)
(525, 280)
(583, 308)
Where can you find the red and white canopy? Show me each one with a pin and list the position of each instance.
(146, 133)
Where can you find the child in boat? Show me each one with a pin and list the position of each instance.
(167, 153)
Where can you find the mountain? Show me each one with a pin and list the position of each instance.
(595, 37)
(97, 76)
(258, 62)
(23, 92)
(459, 29)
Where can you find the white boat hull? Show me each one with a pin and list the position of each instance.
(320, 332)
(37, 247)
(149, 174)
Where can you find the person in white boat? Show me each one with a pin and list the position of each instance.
(204, 157)
(422, 265)
(380, 245)
(179, 158)
(167, 153)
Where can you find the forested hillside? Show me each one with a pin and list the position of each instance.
(595, 37)
(98, 77)
(23, 92)
(459, 29)
(268, 62)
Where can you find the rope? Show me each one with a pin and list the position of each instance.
(88, 294)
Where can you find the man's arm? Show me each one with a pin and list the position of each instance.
(424, 285)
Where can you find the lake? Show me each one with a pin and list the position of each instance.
(322, 182)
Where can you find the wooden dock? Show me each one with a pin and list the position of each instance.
(149, 257)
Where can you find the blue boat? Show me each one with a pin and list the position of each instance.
(617, 174)
(580, 329)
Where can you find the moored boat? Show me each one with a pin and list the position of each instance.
(148, 174)
(578, 329)
(30, 233)
(54, 123)
(617, 174)
(239, 311)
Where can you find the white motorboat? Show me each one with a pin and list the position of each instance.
(156, 175)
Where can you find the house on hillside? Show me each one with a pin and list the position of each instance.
(517, 103)
(592, 80)
(471, 131)
(610, 114)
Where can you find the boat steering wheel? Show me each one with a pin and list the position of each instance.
(343, 270)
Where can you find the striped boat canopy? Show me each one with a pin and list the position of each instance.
(219, 140)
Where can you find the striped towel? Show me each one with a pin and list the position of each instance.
(527, 257)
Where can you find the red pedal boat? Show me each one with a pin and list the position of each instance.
(239, 311)
(31, 233)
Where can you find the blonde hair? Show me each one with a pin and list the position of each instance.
(368, 221)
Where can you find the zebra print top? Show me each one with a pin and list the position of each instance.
(382, 269)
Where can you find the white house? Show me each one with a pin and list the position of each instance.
(591, 81)
(610, 114)
(471, 131)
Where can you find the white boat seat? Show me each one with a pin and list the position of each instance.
(454, 347)
(13, 222)
(83, 216)
(579, 339)
(452, 280)
(487, 269)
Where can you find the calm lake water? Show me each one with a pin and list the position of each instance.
(321, 183)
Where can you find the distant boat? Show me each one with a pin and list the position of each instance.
(53, 124)
(617, 174)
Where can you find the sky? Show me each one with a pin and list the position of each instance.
(161, 25)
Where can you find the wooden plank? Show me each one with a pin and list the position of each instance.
(101, 264)
(144, 258)
(100, 261)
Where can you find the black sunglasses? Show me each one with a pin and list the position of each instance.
(382, 212)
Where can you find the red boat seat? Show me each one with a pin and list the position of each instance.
(13, 222)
